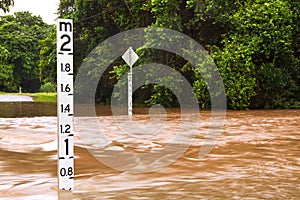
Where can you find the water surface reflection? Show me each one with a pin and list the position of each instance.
(26, 109)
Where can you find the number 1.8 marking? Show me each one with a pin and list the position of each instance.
(65, 67)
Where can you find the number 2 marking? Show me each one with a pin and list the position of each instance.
(63, 48)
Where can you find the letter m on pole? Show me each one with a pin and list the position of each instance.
(65, 25)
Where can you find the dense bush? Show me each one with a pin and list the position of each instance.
(48, 87)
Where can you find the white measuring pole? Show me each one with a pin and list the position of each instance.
(65, 104)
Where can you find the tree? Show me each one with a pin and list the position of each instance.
(6, 71)
(256, 57)
(255, 45)
(20, 35)
(5, 4)
(47, 61)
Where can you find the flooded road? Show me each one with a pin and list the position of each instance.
(15, 98)
(256, 157)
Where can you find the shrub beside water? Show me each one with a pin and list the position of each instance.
(48, 87)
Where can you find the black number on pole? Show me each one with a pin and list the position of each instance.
(66, 172)
(63, 172)
(65, 88)
(70, 171)
(66, 67)
(65, 129)
(67, 146)
(63, 48)
(65, 109)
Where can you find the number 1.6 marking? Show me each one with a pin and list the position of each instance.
(65, 88)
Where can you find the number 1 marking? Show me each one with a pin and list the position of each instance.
(67, 146)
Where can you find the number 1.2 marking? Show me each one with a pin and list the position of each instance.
(65, 129)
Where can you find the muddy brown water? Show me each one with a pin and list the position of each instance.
(257, 157)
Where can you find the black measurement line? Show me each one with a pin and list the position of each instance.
(61, 158)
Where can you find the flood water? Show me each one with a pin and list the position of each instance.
(257, 157)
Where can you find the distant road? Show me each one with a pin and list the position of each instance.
(15, 98)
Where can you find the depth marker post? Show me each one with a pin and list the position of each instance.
(65, 110)
(130, 57)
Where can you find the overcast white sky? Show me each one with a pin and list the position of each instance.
(43, 8)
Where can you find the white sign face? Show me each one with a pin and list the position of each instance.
(130, 57)
(65, 104)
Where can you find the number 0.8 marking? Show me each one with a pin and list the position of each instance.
(66, 171)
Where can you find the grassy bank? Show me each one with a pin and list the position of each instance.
(42, 96)
(39, 96)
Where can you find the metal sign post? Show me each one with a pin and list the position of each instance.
(130, 57)
(65, 104)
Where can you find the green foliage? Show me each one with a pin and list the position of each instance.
(5, 4)
(255, 45)
(6, 71)
(48, 87)
(236, 68)
(47, 61)
(162, 95)
(20, 36)
(201, 91)
(50, 97)
(256, 57)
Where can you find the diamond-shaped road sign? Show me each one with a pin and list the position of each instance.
(130, 57)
